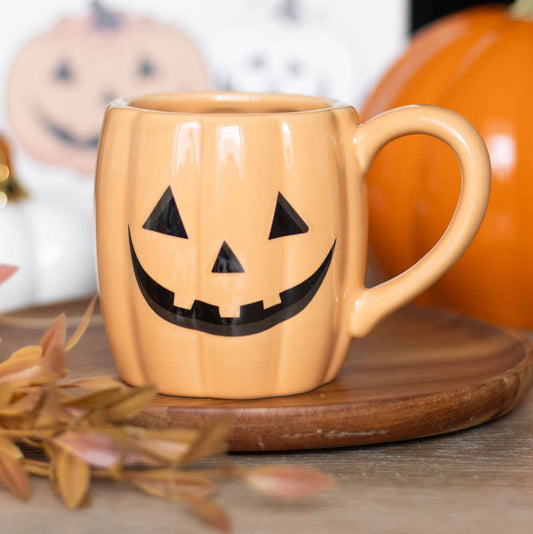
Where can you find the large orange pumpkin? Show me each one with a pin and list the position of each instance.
(477, 62)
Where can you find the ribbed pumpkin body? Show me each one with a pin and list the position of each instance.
(478, 63)
(226, 172)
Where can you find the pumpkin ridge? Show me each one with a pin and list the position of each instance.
(476, 52)
(521, 288)
(136, 320)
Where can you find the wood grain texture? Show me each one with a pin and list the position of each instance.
(420, 373)
(472, 482)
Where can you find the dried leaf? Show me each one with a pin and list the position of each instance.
(35, 443)
(6, 271)
(288, 480)
(156, 451)
(95, 448)
(32, 352)
(11, 368)
(56, 334)
(97, 418)
(28, 367)
(84, 323)
(171, 484)
(24, 405)
(94, 399)
(211, 440)
(72, 476)
(106, 447)
(63, 393)
(14, 476)
(54, 359)
(6, 395)
(210, 511)
(8, 448)
(95, 383)
(132, 402)
(49, 411)
(22, 372)
(52, 412)
(36, 467)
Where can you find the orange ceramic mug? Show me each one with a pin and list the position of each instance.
(232, 236)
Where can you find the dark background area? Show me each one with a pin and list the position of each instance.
(424, 11)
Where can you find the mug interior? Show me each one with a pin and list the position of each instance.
(232, 103)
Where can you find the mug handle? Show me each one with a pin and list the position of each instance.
(371, 305)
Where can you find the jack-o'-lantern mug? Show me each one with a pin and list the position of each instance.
(231, 234)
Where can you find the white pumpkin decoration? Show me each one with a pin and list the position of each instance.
(283, 55)
(50, 242)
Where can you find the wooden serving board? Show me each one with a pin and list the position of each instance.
(420, 373)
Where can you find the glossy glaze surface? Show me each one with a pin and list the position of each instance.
(477, 63)
(232, 237)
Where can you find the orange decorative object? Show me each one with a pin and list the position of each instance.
(231, 236)
(478, 63)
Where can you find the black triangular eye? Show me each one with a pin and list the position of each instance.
(63, 72)
(286, 220)
(165, 217)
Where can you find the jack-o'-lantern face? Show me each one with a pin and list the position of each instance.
(223, 233)
(253, 317)
(62, 80)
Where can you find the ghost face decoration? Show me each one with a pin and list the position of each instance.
(220, 254)
(283, 57)
(62, 80)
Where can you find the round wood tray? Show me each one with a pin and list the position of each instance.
(420, 373)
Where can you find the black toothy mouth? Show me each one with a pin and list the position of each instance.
(67, 137)
(253, 318)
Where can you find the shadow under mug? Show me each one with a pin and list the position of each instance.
(231, 232)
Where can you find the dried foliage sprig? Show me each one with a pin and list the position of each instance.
(6, 271)
(76, 427)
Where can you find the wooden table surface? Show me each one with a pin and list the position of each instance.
(475, 481)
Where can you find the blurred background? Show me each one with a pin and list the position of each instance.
(63, 61)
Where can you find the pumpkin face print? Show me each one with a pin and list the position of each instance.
(62, 80)
(253, 317)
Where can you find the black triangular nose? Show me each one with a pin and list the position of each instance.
(226, 261)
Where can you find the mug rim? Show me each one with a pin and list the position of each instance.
(281, 103)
